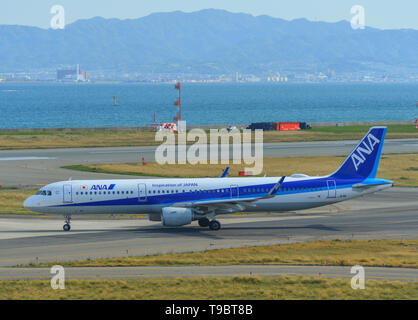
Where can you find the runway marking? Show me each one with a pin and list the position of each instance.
(122, 151)
(26, 158)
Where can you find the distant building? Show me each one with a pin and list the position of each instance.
(72, 74)
(277, 78)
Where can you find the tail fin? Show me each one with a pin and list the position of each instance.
(364, 159)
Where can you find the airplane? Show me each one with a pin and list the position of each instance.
(177, 202)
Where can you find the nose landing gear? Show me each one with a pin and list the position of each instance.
(67, 226)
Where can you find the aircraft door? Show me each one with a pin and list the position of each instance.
(332, 189)
(142, 192)
(67, 193)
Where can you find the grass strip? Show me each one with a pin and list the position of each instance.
(11, 201)
(400, 168)
(389, 253)
(113, 138)
(236, 288)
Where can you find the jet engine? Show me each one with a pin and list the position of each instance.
(173, 217)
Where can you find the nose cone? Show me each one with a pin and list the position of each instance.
(31, 203)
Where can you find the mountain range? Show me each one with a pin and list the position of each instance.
(209, 42)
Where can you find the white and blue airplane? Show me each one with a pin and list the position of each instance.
(178, 202)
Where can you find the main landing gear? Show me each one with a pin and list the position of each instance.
(213, 225)
(67, 226)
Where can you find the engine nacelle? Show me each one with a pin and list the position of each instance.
(174, 217)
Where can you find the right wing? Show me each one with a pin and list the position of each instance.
(230, 204)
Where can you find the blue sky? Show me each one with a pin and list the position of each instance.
(384, 14)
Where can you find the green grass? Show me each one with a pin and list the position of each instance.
(237, 288)
(393, 253)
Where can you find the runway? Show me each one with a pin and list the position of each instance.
(371, 273)
(33, 167)
(389, 214)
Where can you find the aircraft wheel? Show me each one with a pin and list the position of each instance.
(214, 225)
(66, 227)
(204, 222)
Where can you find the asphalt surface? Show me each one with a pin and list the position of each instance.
(42, 166)
(371, 273)
(389, 214)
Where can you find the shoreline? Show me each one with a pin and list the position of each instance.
(240, 126)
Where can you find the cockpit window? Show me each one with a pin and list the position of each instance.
(44, 193)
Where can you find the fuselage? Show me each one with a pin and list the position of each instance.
(135, 196)
(177, 202)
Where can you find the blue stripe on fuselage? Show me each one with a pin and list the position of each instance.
(167, 199)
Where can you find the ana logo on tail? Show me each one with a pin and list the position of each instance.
(358, 156)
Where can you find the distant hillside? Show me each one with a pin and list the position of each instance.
(208, 41)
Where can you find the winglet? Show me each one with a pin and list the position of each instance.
(223, 175)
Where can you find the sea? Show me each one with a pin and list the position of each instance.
(61, 105)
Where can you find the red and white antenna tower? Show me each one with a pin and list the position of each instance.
(177, 103)
(416, 119)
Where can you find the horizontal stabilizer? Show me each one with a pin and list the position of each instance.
(366, 186)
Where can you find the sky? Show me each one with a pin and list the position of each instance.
(382, 14)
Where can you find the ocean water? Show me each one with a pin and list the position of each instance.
(91, 105)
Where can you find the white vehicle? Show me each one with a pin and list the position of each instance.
(178, 202)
